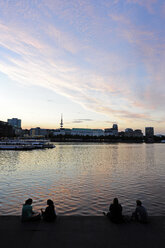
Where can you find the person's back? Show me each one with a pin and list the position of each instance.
(49, 214)
(27, 210)
(116, 211)
(140, 212)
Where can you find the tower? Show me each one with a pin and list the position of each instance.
(61, 123)
(115, 127)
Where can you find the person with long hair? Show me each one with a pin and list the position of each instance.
(115, 212)
(50, 213)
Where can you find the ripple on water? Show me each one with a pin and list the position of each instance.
(83, 179)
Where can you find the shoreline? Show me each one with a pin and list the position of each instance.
(81, 231)
(111, 141)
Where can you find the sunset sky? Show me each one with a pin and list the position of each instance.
(98, 62)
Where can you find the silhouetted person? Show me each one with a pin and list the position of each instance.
(49, 214)
(115, 212)
(27, 212)
(140, 213)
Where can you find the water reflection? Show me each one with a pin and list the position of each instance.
(150, 155)
(82, 178)
(12, 158)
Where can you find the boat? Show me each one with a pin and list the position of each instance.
(30, 144)
(15, 147)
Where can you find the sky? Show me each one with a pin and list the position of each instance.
(98, 62)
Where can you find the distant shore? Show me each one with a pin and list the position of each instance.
(101, 140)
(81, 231)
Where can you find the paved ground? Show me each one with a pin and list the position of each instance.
(81, 231)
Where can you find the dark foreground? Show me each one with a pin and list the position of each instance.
(81, 231)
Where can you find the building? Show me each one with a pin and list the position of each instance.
(14, 122)
(6, 130)
(98, 132)
(67, 131)
(25, 132)
(39, 132)
(138, 133)
(111, 131)
(61, 131)
(115, 127)
(82, 132)
(149, 132)
(129, 132)
(108, 132)
(78, 132)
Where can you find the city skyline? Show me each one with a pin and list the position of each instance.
(97, 62)
(17, 123)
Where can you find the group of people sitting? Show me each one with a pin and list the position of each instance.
(114, 214)
(29, 215)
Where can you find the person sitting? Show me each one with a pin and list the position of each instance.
(49, 214)
(140, 213)
(27, 212)
(115, 212)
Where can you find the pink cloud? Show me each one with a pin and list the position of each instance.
(163, 9)
(64, 40)
(120, 18)
(149, 49)
(148, 4)
(115, 95)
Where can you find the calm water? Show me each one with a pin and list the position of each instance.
(83, 178)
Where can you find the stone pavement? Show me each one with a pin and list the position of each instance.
(81, 231)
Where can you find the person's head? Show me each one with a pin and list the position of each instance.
(115, 201)
(50, 202)
(138, 203)
(28, 201)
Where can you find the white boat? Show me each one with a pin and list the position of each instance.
(15, 147)
(25, 144)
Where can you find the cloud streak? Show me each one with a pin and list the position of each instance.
(81, 120)
(123, 84)
(148, 4)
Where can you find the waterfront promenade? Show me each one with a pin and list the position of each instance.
(81, 231)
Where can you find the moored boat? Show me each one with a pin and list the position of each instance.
(25, 144)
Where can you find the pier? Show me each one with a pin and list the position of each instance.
(81, 231)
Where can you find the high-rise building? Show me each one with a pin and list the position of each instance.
(115, 127)
(149, 132)
(14, 122)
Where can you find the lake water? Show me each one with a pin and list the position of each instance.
(83, 178)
